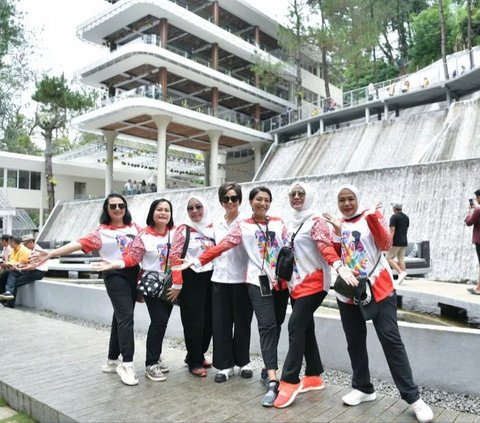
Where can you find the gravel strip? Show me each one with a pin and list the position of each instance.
(464, 403)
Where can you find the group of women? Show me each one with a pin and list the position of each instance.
(221, 297)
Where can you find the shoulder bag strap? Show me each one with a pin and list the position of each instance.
(187, 240)
(376, 264)
(295, 234)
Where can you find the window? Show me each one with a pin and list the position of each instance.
(12, 178)
(79, 191)
(23, 179)
(2, 179)
(35, 181)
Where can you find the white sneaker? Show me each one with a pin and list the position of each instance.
(401, 277)
(127, 374)
(423, 412)
(224, 375)
(246, 371)
(356, 397)
(110, 366)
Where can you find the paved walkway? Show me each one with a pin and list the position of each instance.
(51, 369)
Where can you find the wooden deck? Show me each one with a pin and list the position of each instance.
(51, 370)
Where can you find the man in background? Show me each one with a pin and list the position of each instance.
(399, 223)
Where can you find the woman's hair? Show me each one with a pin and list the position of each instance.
(477, 192)
(256, 190)
(223, 189)
(153, 206)
(105, 218)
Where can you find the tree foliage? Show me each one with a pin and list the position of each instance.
(57, 104)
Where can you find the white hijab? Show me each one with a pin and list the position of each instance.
(354, 189)
(202, 226)
(310, 205)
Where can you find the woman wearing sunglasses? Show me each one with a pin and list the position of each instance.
(232, 310)
(151, 248)
(112, 239)
(313, 253)
(194, 284)
(261, 236)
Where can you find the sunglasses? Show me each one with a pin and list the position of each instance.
(293, 194)
(120, 206)
(232, 198)
(197, 207)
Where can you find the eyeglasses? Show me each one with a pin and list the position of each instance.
(120, 206)
(293, 194)
(232, 198)
(197, 207)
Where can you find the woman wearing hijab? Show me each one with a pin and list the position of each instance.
(362, 235)
(309, 285)
(261, 236)
(194, 284)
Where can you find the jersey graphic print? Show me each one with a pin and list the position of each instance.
(267, 247)
(204, 242)
(123, 242)
(353, 252)
(162, 250)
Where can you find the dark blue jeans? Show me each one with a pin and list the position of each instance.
(386, 326)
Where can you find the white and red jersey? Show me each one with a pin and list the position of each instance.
(362, 241)
(261, 249)
(314, 253)
(231, 266)
(198, 243)
(112, 242)
(151, 249)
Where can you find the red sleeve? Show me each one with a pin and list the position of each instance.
(322, 236)
(176, 252)
(380, 231)
(473, 218)
(232, 239)
(91, 242)
(135, 252)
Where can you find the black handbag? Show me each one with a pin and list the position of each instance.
(286, 260)
(168, 281)
(361, 294)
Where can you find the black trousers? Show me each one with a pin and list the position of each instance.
(121, 288)
(302, 340)
(386, 326)
(159, 312)
(196, 315)
(232, 319)
(270, 313)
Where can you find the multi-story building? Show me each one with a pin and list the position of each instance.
(182, 72)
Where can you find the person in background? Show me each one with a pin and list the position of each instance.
(151, 249)
(371, 93)
(112, 239)
(261, 236)
(309, 285)
(6, 249)
(426, 82)
(25, 273)
(362, 235)
(194, 284)
(399, 223)
(231, 306)
(473, 219)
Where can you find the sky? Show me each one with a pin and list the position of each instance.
(55, 21)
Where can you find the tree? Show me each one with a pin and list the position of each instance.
(443, 37)
(57, 105)
(16, 136)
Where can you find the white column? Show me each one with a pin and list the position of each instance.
(257, 149)
(214, 136)
(385, 111)
(367, 115)
(321, 130)
(162, 122)
(109, 141)
(309, 130)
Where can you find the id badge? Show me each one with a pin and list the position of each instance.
(265, 290)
